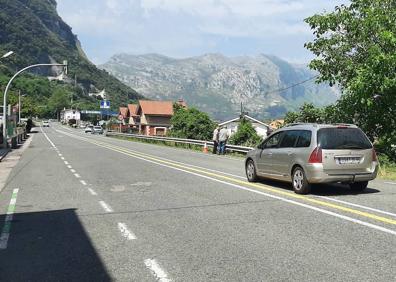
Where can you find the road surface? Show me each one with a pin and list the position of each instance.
(82, 207)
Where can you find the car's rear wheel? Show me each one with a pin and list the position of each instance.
(358, 186)
(251, 171)
(299, 181)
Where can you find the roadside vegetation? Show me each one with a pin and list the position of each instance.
(355, 47)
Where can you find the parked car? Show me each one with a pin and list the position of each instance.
(304, 154)
(88, 128)
(45, 123)
(97, 130)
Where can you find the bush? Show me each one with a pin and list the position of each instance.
(246, 135)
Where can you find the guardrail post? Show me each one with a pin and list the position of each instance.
(14, 142)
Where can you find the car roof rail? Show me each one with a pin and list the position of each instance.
(346, 124)
(301, 123)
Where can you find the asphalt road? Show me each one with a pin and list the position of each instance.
(79, 207)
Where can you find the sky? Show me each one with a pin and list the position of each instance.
(185, 28)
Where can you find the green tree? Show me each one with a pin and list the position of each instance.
(355, 47)
(307, 113)
(59, 99)
(246, 135)
(191, 124)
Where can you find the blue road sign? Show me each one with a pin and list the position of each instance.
(104, 104)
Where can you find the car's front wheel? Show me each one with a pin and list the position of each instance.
(300, 182)
(251, 171)
(359, 186)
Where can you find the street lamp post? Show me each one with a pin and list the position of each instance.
(8, 86)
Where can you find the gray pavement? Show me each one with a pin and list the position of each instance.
(91, 208)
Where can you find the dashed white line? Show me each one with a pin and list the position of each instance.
(69, 166)
(105, 206)
(156, 270)
(73, 170)
(77, 175)
(125, 232)
(60, 155)
(66, 162)
(83, 182)
(5, 233)
(93, 193)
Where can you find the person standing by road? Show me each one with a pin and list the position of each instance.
(215, 139)
(223, 137)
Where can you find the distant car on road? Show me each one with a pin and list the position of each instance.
(97, 130)
(46, 123)
(88, 128)
(304, 154)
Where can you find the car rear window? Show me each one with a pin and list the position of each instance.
(343, 138)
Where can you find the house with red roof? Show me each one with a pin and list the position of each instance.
(155, 117)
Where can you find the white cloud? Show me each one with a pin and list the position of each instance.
(192, 27)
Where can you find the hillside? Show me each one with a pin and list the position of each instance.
(36, 33)
(217, 84)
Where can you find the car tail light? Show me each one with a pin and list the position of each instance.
(374, 154)
(316, 156)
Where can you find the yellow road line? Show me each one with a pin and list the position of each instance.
(242, 182)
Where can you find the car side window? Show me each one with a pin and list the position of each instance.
(304, 139)
(273, 141)
(289, 139)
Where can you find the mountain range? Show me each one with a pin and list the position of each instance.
(218, 84)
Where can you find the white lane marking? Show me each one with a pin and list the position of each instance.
(347, 218)
(83, 182)
(156, 270)
(60, 155)
(66, 162)
(5, 233)
(359, 206)
(69, 166)
(62, 158)
(93, 193)
(73, 170)
(105, 206)
(125, 232)
(77, 175)
(52, 144)
(392, 183)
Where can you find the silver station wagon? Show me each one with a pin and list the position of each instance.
(304, 154)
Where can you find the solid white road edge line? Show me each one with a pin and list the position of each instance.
(125, 232)
(5, 233)
(359, 206)
(52, 144)
(350, 219)
(156, 270)
(105, 206)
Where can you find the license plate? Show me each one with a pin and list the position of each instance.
(348, 160)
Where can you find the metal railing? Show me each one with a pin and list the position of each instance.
(230, 148)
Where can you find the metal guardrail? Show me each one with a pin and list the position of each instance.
(231, 148)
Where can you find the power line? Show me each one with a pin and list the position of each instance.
(289, 87)
(292, 86)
